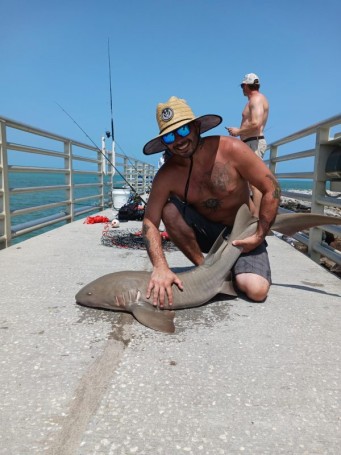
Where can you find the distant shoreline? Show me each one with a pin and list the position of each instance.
(297, 204)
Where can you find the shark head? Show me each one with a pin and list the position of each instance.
(100, 292)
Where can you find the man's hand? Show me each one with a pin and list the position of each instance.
(249, 244)
(232, 131)
(160, 286)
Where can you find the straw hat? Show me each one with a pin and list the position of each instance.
(173, 114)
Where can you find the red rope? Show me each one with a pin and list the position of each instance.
(96, 219)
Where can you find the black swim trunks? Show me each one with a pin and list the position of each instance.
(206, 231)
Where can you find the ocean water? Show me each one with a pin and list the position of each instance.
(296, 185)
(22, 200)
(32, 199)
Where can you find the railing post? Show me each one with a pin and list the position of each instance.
(272, 162)
(111, 171)
(135, 172)
(125, 170)
(69, 180)
(101, 168)
(319, 187)
(145, 174)
(5, 213)
(138, 176)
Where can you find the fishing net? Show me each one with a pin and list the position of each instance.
(130, 239)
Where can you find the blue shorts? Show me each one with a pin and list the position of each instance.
(206, 232)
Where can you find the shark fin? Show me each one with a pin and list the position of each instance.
(245, 224)
(289, 223)
(243, 220)
(154, 318)
(220, 243)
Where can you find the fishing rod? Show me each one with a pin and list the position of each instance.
(103, 154)
(112, 117)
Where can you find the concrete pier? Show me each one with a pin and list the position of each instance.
(236, 377)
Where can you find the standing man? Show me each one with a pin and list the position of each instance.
(254, 117)
(197, 192)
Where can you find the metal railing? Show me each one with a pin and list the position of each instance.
(76, 179)
(322, 139)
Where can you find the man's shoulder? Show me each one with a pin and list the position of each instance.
(222, 144)
(217, 140)
(258, 98)
(168, 169)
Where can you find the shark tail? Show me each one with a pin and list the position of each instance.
(289, 223)
(154, 318)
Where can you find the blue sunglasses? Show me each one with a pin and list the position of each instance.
(183, 131)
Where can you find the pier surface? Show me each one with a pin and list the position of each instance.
(237, 377)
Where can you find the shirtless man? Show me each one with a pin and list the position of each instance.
(254, 117)
(197, 192)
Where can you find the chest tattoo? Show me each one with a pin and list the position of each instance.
(212, 204)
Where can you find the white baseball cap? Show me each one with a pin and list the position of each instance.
(251, 78)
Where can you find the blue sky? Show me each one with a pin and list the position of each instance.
(57, 52)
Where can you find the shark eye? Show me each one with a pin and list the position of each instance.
(89, 293)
